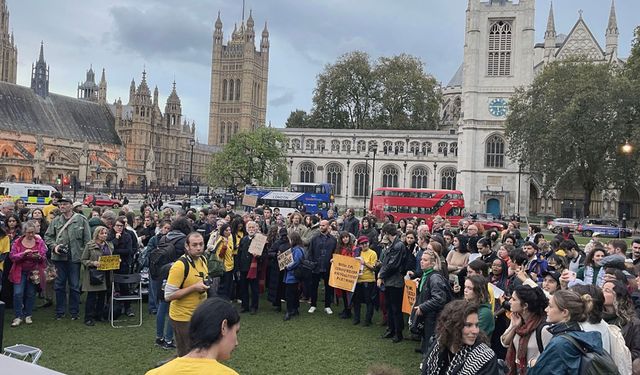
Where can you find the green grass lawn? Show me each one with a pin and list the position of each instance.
(310, 344)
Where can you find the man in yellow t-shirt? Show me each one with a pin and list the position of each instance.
(365, 286)
(53, 204)
(5, 246)
(186, 293)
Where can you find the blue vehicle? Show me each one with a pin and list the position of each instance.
(310, 198)
(606, 228)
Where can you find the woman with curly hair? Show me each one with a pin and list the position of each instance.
(459, 347)
(619, 311)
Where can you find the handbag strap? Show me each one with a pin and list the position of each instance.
(65, 226)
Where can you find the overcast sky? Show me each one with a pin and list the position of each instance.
(173, 39)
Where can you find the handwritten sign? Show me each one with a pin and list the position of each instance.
(344, 272)
(257, 244)
(109, 262)
(285, 259)
(409, 296)
(250, 200)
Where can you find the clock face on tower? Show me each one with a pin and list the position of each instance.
(498, 107)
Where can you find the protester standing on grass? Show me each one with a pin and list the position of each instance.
(28, 256)
(186, 293)
(290, 279)
(391, 278)
(213, 334)
(248, 266)
(321, 250)
(96, 292)
(365, 287)
(66, 237)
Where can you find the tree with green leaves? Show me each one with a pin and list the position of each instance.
(256, 157)
(569, 127)
(356, 93)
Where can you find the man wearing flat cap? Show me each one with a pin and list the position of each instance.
(66, 237)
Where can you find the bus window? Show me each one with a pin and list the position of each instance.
(455, 211)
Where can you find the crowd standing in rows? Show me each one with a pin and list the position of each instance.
(487, 301)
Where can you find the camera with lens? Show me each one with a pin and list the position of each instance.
(207, 281)
(63, 249)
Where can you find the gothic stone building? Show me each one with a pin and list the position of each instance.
(8, 49)
(469, 152)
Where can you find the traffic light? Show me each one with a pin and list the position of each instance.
(65, 180)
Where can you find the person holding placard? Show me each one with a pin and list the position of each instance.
(365, 287)
(96, 289)
(248, 266)
(290, 279)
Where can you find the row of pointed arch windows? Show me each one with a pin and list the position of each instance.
(230, 89)
(388, 147)
(228, 130)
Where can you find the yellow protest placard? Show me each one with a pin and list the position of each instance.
(109, 262)
(285, 259)
(409, 296)
(344, 272)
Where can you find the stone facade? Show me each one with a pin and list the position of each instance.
(238, 82)
(8, 49)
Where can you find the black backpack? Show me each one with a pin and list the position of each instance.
(162, 255)
(164, 274)
(594, 363)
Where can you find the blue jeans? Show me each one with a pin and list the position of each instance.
(68, 273)
(24, 294)
(163, 324)
(152, 298)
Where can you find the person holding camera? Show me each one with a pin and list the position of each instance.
(66, 237)
(186, 288)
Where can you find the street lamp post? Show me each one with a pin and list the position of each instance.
(404, 178)
(290, 170)
(366, 183)
(519, 181)
(373, 176)
(435, 173)
(346, 194)
(192, 142)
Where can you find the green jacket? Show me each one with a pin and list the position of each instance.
(91, 254)
(76, 235)
(486, 322)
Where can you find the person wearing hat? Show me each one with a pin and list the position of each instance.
(66, 237)
(77, 207)
(550, 282)
(365, 287)
(53, 203)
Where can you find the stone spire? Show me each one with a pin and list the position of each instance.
(132, 90)
(551, 25)
(102, 89)
(264, 43)
(612, 34)
(217, 33)
(40, 75)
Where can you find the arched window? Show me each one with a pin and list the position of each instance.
(499, 63)
(334, 177)
(426, 148)
(230, 89)
(495, 152)
(448, 178)
(453, 148)
(372, 145)
(361, 146)
(222, 129)
(237, 89)
(295, 144)
(399, 147)
(387, 147)
(224, 89)
(320, 145)
(309, 145)
(414, 148)
(307, 172)
(390, 176)
(52, 158)
(419, 178)
(361, 180)
(235, 128)
(346, 146)
(456, 109)
(335, 145)
(442, 148)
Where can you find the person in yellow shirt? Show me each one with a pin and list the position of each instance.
(365, 286)
(53, 204)
(213, 333)
(186, 288)
(5, 246)
(226, 250)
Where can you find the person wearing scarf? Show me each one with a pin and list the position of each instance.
(345, 248)
(528, 317)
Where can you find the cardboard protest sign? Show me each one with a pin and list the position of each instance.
(109, 262)
(409, 296)
(250, 200)
(257, 244)
(344, 272)
(285, 259)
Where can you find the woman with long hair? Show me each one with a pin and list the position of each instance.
(96, 291)
(402, 226)
(566, 310)
(458, 259)
(527, 328)
(459, 346)
(346, 248)
(290, 279)
(225, 249)
(619, 311)
(499, 274)
(277, 242)
(592, 272)
(475, 291)
(28, 256)
(38, 216)
(368, 228)
(13, 227)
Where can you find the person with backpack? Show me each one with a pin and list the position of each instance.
(164, 332)
(186, 288)
(527, 335)
(434, 293)
(571, 350)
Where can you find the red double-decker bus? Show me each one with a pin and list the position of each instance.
(420, 203)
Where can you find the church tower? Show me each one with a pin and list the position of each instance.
(498, 58)
(612, 35)
(8, 49)
(102, 89)
(88, 90)
(239, 74)
(40, 75)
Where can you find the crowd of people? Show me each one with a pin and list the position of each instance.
(487, 301)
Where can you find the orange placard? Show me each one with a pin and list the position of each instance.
(409, 296)
(344, 272)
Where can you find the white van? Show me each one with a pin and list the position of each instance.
(31, 194)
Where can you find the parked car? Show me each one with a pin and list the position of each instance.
(557, 224)
(606, 228)
(196, 203)
(101, 200)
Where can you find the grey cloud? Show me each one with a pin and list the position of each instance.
(282, 100)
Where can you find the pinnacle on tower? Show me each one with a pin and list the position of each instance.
(612, 27)
(551, 25)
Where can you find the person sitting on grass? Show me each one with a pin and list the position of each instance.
(213, 333)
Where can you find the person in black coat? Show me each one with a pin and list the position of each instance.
(248, 265)
(123, 246)
(350, 223)
(276, 286)
(391, 280)
(321, 249)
